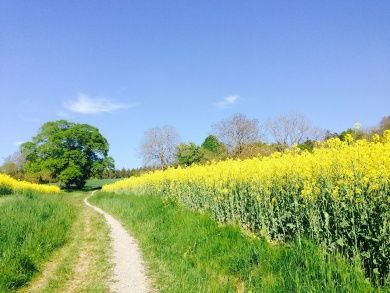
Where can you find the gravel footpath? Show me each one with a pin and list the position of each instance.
(129, 271)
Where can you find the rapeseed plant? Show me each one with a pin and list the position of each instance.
(337, 195)
(9, 185)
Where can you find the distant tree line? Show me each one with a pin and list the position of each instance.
(70, 153)
(125, 173)
(240, 137)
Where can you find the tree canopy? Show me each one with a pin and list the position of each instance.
(212, 144)
(191, 153)
(68, 152)
(188, 154)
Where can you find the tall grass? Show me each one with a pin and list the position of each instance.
(31, 228)
(190, 252)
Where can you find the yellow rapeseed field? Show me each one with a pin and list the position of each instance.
(338, 195)
(9, 185)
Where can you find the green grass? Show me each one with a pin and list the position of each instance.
(31, 229)
(4, 199)
(189, 252)
(83, 264)
(93, 184)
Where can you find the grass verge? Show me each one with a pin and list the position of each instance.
(93, 184)
(31, 229)
(189, 252)
(82, 265)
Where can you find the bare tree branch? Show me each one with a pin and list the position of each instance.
(289, 129)
(158, 146)
(237, 131)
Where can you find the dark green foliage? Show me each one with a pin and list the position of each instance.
(213, 149)
(212, 144)
(190, 252)
(307, 145)
(188, 154)
(355, 133)
(68, 152)
(125, 173)
(31, 228)
(5, 190)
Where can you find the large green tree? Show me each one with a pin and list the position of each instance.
(69, 152)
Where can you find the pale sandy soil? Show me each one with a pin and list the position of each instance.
(129, 273)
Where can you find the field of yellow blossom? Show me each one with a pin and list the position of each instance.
(9, 185)
(337, 196)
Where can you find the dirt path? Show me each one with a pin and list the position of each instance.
(129, 271)
(82, 264)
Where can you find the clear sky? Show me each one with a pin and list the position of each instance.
(125, 66)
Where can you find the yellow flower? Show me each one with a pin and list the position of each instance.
(12, 185)
(333, 164)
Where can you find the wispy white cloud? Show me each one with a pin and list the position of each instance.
(85, 104)
(19, 143)
(227, 102)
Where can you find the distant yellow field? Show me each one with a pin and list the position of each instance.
(10, 185)
(352, 169)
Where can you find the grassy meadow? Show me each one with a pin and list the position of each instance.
(52, 243)
(93, 184)
(31, 229)
(83, 263)
(296, 221)
(194, 146)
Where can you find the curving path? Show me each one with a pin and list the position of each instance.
(129, 271)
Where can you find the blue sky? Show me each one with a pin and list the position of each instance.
(125, 66)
